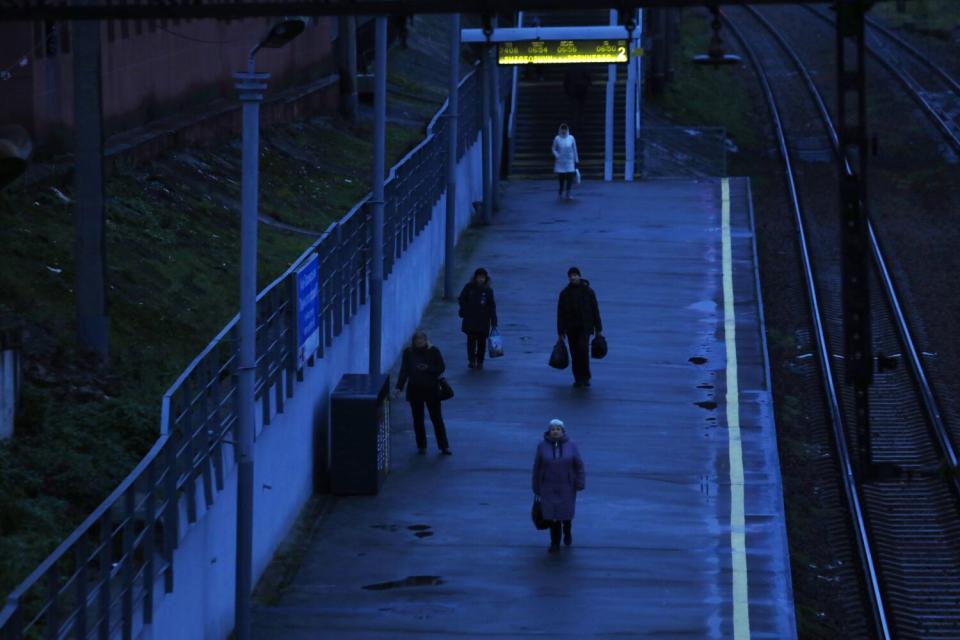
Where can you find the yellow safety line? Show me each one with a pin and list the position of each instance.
(738, 543)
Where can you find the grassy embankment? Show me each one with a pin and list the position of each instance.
(172, 248)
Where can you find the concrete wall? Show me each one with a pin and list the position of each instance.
(292, 450)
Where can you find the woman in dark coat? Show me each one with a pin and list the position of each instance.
(420, 371)
(479, 312)
(558, 475)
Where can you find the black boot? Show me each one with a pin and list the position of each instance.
(554, 536)
(567, 533)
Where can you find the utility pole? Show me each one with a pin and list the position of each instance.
(453, 124)
(88, 209)
(347, 60)
(852, 133)
(376, 201)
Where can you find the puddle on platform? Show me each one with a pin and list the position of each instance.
(423, 534)
(709, 405)
(409, 581)
(704, 386)
(697, 360)
(418, 527)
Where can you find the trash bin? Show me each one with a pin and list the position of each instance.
(360, 434)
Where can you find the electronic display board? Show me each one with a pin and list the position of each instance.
(562, 51)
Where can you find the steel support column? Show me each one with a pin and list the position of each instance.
(852, 132)
(486, 135)
(496, 130)
(453, 112)
(250, 86)
(376, 201)
(608, 113)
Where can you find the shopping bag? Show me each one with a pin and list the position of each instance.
(598, 348)
(536, 514)
(578, 176)
(444, 388)
(559, 359)
(495, 344)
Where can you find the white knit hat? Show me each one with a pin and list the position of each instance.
(557, 422)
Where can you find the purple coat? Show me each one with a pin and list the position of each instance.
(558, 474)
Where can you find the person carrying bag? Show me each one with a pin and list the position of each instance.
(421, 371)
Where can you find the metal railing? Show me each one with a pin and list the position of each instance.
(101, 580)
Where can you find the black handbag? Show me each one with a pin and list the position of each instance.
(536, 514)
(444, 389)
(559, 359)
(598, 348)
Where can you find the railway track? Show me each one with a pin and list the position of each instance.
(934, 90)
(906, 521)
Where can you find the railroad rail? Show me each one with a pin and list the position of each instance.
(935, 90)
(905, 531)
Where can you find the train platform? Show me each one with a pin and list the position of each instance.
(680, 532)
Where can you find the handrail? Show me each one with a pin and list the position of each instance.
(189, 454)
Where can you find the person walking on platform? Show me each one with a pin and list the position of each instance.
(578, 317)
(558, 474)
(479, 312)
(565, 158)
(420, 371)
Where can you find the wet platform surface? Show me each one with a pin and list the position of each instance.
(447, 549)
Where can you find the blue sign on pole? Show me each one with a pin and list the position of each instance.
(308, 309)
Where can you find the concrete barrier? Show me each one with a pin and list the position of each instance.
(291, 453)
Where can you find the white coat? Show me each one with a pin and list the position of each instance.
(565, 154)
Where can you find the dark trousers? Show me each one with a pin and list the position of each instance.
(555, 530)
(476, 346)
(566, 181)
(433, 406)
(579, 341)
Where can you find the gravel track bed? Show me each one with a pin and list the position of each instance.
(826, 574)
(914, 195)
(897, 416)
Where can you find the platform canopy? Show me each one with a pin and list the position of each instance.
(11, 10)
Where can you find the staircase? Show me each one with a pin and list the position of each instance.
(542, 105)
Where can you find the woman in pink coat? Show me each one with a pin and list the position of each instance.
(558, 475)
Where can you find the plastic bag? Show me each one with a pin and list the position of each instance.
(559, 359)
(495, 344)
(578, 176)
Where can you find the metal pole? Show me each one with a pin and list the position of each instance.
(250, 86)
(639, 63)
(608, 115)
(453, 111)
(88, 209)
(379, 153)
(348, 67)
(497, 128)
(486, 136)
(630, 105)
(852, 134)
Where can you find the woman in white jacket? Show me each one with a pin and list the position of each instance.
(566, 159)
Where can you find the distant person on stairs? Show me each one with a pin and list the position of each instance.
(565, 158)
(576, 84)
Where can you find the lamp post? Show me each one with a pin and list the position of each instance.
(377, 194)
(250, 86)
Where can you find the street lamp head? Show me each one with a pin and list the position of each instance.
(280, 34)
(283, 32)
